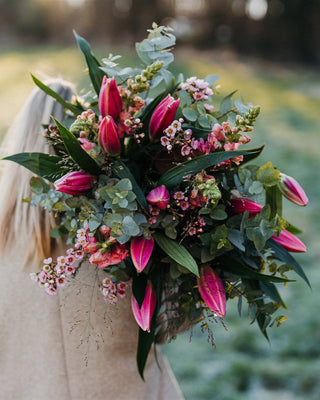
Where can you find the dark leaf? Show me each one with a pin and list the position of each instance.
(177, 174)
(177, 252)
(73, 147)
(282, 254)
(45, 165)
(56, 96)
(96, 74)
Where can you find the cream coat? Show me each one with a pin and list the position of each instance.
(41, 355)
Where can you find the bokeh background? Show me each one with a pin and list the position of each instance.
(270, 51)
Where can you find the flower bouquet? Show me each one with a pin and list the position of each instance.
(152, 184)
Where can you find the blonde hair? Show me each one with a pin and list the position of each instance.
(17, 219)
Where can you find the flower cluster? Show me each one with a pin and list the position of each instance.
(54, 274)
(154, 189)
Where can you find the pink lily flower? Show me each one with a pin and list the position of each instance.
(291, 189)
(163, 115)
(159, 197)
(290, 242)
(75, 183)
(110, 102)
(108, 136)
(144, 315)
(212, 291)
(240, 205)
(141, 250)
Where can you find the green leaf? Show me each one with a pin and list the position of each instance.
(190, 114)
(96, 74)
(271, 291)
(73, 147)
(211, 79)
(177, 252)
(226, 104)
(177, 174)
(236, 267)
(76, 110)
(282, 254)
(268, 175)
(45, 165)
(130, 228)
(144, 345)
(120, 169)
(274, 199)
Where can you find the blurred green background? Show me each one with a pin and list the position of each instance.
(269, 50)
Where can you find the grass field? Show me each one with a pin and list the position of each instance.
(243, 366)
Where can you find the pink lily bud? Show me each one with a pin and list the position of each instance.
(163, 115)
(291, 189)
(141, 250)
(110, 102)
(91, 247)
(108, 136)
(240, 205)
(159, 197)
(212, 291)
(143, 315)
(75, 183)
(290, 242)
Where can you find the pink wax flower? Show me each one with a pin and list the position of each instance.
(291, 189)
(108, 136)
(75, 183)
(163, 115)
(141, 250)
(110, 102)
(290, 242)
(240, 205)
(143, 315)
(212, 291)
(159, 197)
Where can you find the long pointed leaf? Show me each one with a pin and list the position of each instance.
(271, 291)
(122, 171)
(144, 345)
(283, 255)
(73, 147)
(177, 174)
(236, 267)
(44, 165)
(56, 96)
(96, 74)
(177, 252)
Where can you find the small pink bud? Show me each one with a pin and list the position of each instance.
(290, 242)
(143, 315)
(110, 102)
(212, 291)
(240, 205)
(163, 115)
(108, 136)
(75, 183)
(141, 250)
(291, 189)
(159, 197)
(86, 144)
(105, 230)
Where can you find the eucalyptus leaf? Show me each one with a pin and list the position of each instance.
(226, 104)
(122, 171)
